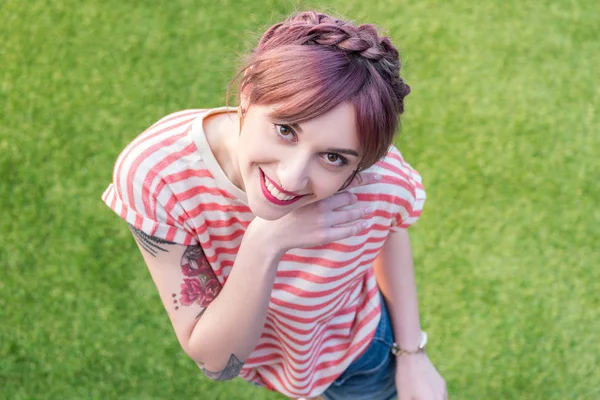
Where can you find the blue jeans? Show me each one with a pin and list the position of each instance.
(373, 375)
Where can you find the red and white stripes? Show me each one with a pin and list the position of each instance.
(324, 307)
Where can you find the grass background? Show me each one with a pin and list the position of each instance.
(502, 123)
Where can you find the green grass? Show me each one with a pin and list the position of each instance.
(502, 123)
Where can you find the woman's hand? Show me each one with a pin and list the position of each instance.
(417, 379)
(328, 220)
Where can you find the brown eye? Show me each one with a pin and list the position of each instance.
(332, 157)
(284, 130)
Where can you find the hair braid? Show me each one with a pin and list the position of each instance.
(313, 28)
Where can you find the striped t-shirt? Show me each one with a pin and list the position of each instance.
(324, 306)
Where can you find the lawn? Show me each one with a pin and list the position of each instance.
(502, 123)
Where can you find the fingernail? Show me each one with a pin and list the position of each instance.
(378, 177)
(368, 210)
(364, 225)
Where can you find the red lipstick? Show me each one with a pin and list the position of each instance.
(281, 190)
(272, 198)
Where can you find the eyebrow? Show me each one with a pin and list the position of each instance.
(342, 151)
(350, 152)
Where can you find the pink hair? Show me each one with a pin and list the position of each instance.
(312, 62)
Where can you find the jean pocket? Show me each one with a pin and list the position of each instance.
(375, 358)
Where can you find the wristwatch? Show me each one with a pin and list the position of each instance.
(397, 351)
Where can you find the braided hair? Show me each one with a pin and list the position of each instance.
(312, 62)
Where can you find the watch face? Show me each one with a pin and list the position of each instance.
(423, 341)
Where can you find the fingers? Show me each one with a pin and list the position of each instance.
(338, 200)
(346, 231)
(347, 223)
(344, 198)
(337, 218)
(342, 216)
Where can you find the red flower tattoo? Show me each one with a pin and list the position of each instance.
(211, 290)
(202, 286)
(194, 262)
(191, 290)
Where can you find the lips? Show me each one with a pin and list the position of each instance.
(274, 193)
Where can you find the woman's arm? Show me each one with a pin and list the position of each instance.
(416, 377)
(217, 327)
(396, 279)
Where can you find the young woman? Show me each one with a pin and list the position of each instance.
(272, 229)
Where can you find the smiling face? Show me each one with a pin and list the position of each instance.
(284, 166)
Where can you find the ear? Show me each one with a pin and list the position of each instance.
(245, 96)
(246, 91)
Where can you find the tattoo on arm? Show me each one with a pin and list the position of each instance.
(232, 369)
(149, 243)
(200, 287)
(200, 284)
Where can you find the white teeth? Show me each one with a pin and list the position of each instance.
(276, 193)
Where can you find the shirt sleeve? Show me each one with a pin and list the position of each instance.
(141, 197)
(410, 192)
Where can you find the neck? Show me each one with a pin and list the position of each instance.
(222, 134)
(232, 144)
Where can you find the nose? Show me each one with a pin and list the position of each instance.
(293, 173)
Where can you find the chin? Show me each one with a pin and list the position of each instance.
(265, 212)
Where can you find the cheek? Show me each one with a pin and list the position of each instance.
(325, 187)
(255, 148)
(247, 150)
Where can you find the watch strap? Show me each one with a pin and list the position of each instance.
(398, 351)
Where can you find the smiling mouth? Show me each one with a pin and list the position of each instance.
(273, 194)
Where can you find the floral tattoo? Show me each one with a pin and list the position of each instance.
(200, 284)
